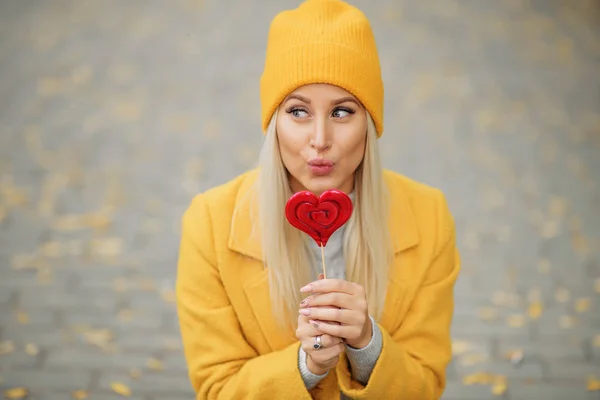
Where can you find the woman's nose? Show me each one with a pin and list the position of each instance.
(320, 140)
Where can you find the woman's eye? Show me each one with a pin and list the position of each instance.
(298, 113)
(342, 112)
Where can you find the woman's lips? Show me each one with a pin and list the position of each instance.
(320, 167)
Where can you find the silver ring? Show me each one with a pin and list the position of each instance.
(318, 345)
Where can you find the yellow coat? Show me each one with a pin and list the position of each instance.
(233, 346)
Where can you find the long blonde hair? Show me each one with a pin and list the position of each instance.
(367, 248)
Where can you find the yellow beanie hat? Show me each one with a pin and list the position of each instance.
(322, 41)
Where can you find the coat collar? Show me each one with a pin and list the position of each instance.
(245, 237)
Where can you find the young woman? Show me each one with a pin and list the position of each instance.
(256, 319)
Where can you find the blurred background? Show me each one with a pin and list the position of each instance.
(114, 114)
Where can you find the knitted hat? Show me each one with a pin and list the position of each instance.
(322, 41)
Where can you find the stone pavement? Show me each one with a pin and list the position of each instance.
(114, 114)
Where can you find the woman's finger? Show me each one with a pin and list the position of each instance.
(343, 316)
(335, 299)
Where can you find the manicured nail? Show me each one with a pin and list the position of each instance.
(304, 303)
(304, 311)
(306, 289)
(314, 323)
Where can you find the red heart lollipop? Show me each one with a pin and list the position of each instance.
(319, 217)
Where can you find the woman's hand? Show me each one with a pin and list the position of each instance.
(320, 360)
(338, 308)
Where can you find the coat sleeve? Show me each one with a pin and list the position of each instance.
(221, 363)
(419, 351)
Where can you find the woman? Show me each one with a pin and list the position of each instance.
(256, 319)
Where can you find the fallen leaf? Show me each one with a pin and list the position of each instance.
(135, 373)
(98, 221)
(515, 321)
(6, 347)
(16, 393)
(482, 378)
(168, 295)
(535, 310)
(155, 364)
(121, 389)
(125, 315)
(147, 284)
(549, 229)
(107, 247)
(562, 295)
(582, 305)
(120, 285)
(487, 313)
(543, 267)
(81, 74)
(593, 384)
(22, 318)
(500, 386)
(80, 395)
(472, 359)
(31, 349)
(558, 206)
(175, 344)
(68, 223)
(566, 321)
(52, 249)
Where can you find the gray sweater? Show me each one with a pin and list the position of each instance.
(362, 360)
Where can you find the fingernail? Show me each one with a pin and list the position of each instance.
(304, 303)
(306, 289)
(304, 311)
(314, 323)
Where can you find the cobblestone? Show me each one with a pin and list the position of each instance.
(115, 115)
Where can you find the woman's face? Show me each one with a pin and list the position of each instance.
(322, 131)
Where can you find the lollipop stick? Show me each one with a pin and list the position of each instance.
(323, 261)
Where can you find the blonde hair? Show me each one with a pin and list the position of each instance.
(286, 253)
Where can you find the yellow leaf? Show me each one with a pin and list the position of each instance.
(472, 359)
(67, 223)
(31, 349)
(549, 229)
(97, 221)
(16, 393)
(120, 285)
(108, 246)
(487, 313)
(499, 387)
(80, 395)
(52, 249)
(125, 315)
(135, 373)
(562, 295)
(535, 310)
(6, 347)
(582, 305)
(515, 321)
(121, 389)
(155, 364)
(593, 384)
(22, 318)
(481, 378)
(168, 295)
(543, 267)
(566, 321)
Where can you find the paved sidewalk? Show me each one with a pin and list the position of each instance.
(114, 114)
